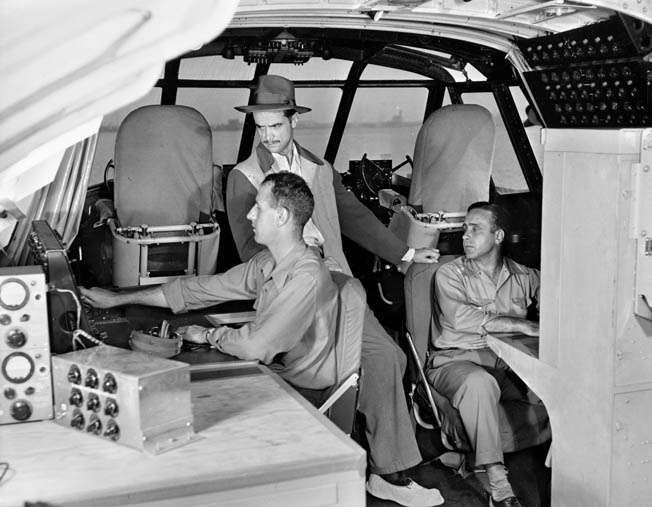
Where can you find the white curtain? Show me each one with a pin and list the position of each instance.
(61, 203)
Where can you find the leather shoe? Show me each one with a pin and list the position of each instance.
(408, 494)
(510, 501)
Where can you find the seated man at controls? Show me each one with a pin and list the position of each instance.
(296, 307)
(479, 293)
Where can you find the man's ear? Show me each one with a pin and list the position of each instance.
(500, 236)
(294, 119)
(282, 215)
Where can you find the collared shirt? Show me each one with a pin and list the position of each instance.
(467, 298)
(296, 313)
(311, 234)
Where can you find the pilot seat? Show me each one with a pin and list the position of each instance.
(165, 191)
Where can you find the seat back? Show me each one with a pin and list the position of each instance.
(342, 404)
(165, 185)
(453, 157)
(432, 410)
(163, 166)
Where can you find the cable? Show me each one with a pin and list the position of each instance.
(77, 340)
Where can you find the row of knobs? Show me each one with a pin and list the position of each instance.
(92, 380)
(94, 427)
(93, 403)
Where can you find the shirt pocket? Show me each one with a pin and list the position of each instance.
(519, 306)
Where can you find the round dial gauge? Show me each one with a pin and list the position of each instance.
(18, 367)
(14, 294)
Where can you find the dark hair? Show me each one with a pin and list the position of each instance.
(292, 192)
(501, 218)
(289, 113)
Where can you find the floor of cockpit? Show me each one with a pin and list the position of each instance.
(527, 473)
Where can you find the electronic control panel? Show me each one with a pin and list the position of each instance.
(123, 396)
(25, 375)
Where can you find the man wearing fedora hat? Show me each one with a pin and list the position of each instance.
(392, 444)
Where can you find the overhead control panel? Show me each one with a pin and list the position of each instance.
(25, 380)
(609, 84)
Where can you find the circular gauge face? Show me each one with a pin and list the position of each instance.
(14, 294)
(18, 367)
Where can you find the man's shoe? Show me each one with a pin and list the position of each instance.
(511, 501)
(409, 494)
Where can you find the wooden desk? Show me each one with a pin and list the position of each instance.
(259, 444)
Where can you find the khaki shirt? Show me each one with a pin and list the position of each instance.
(467, 298)
(296, 313)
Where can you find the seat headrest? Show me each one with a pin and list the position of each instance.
(453, 157)
(163, 166)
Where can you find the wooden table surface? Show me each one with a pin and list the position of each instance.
(251, 428)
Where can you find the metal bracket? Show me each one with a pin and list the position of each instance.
(643, 227)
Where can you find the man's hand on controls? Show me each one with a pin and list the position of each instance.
(99, 298)
(193, 333)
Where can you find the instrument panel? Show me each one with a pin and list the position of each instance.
(25, 379)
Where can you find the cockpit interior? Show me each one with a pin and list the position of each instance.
(118, 136)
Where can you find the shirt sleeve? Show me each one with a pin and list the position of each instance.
(239, 282)
(359, 224)
(277, 328)
(456, 312)
(240, 198)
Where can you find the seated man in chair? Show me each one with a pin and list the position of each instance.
(296, 312)
(479, 293)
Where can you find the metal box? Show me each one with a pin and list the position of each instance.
(128, 397)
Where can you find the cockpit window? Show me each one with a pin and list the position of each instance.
(217, 106)
(216, 67)
(384, 122)
(313, 69)
(507, 173)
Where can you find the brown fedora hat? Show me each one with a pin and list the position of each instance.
(273, 93)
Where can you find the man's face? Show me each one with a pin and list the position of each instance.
(275, 130)
(263, 216)
(480, 236)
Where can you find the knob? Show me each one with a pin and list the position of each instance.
(5, 319)
(10, 393)
(76, 398)
(74, 375)
(91, 379)
(111, 408)
(109, 385)
(77, 420)
(94, 426)
(16, 338)
(112, 431)
(93, 402)
(21, 410)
